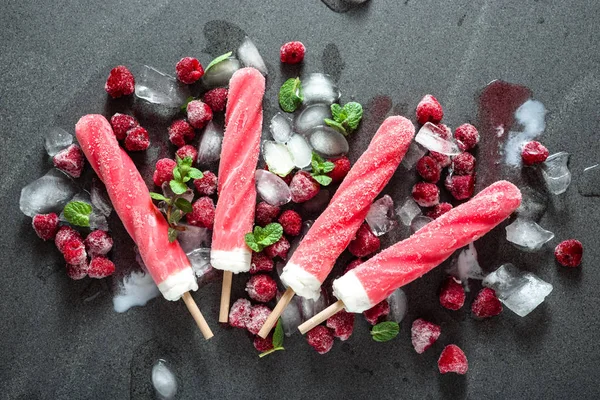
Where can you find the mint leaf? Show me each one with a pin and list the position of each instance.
(175, 216)
(218, 60)
(323, 180)
(178, 187)
(320, 168)
(177, 174)
(278, 335)
(251, 242)
(268, 235)
(195, 173)
(327, 166)
(187, 101)
(183, 205)
(187, 161)
(172, 234)
(385, 331)
(158, 196)
(290, 95)
(78, 213)
(336, 112)
(354, 113)
(336, 125)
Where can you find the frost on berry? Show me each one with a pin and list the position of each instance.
(424, 334)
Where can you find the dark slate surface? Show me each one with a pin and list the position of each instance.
(54, 58)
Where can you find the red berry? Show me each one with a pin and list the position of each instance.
(342, 324)
(279, 249)
(341, 167)
(70, 160)
(189, 70)
(207, 185)
(216, 99)
(181, 131)
(442, 159)
(303, 187)
(65, 234)
(100, 267)
(77, 272)
(261, 262)
(239, 313)
(137, 139)
(534, 153)
(375, 313)
(460, 187)
(121, 123)
(466, 137)
(320, 338)
(198, 114)
(258, 316)
(353, 264)
(203, 213)
(486, 304)
(439, 210)
(429, 169)
(263, 345)
(569, 253)
(164, 171)
(261, 288)
(452, 294)
(120, 82)
(463, 164)
(292, 53)
(291, 222)
(453, 359)
(187, 151)
(265, 213)
(98, 243)
(429, 110)
(423, 334)
(364, 243)
(45, 225)
(74, 252)
(443, 131)
(426, 194)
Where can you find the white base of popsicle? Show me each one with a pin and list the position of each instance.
(303, 283)
(177, 284)
(236, 261)
(349, 289)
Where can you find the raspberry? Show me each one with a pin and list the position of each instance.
(261, 288)
(137, 139)
(534, 153)
(98, 243)
(203, 213)
(239, 314)
(466, 137)
(442, 159)
(342, 324)
(364, 243)
(121, 123)
(438, 210)
(187, 151)
(198, 114)
(216, 99)
(100, 267)
(164, 171)
(263, 345)
(189, 70)
(320, 338)
(181, 131)
(443, 131)
(258, 316)
(341, 167)
(426, 194)
(452, 294)
(65, 234)
(292, 53)
(429, 169)
(375, 313)
(70, 160)
(486, 304)
(279, 249)
(260, 262)
(120, 82)
(303, 187)
(291, 222)
(423, 334)
(353, 264)
(265, 213)
(429, 110)
(453, 359)
(460, 187)
(45, 225)
(568, 253)
(77, 272)
(74, 252)
(207, 185)
(463, 164)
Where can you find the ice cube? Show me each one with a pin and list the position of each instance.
(527, 235)
(311, 117)
(419, 222)
(589, 184)
(159, 88)
(167, 192)
(319, 88)
(209, 149)
(465, 265)
(533, 204)
(555, 171)
(381, 217)
(432, 141)
(250, 57)
(193, 237)
(278, 158)
(281, 128)
(272, 188)
(318, 203)
(409, 210)
(327, 141)
(47, 194)
(99, 198)
(398, 305)
(200, 260)
(219, 74)
(291, 316)
(520, 291)
(310, 308)
(164, 380)
(98, 221)
(300, 150)
(56, 139)
(414, 153)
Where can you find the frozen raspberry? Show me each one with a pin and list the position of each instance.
(120, 82)
(320, 338)
(189, 70)
(443, 131)
(121, 123)
(364, 243)
(216, 99)
(74, 252)
(375, 313)
(279, 249)
(258, 316)
(65, 234)
(429, 169)
(303, 187)
(460, 187)
(534, 153)
(292, 53)
(45, 225)
(260, 262)
(207, 185)
(353, 264)
(181, 131)
(261, 288)
(486, 304)
(100, 267)
(98, 243)
(569, 253)
(265, 213)
(203, 213)
(77, 272)
(342, 324)
(463, 164)
(291, 222)
(429, 110)
(466, 137)
(239, 314)
(341, 167)
(164, 171)
(439, 210)
(442, 159)
(137, 139)
(70, 160)
(423, 334)
(198, 114)
(453, 359)
(187, 151)
(452, 294)
(263, 345)
(426, 194)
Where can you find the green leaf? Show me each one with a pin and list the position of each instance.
(290, 95)
(327, 166)
(251, 242)
(336, 112)
(323, 180)
(336, 125)
(218, 60)
(177, 174)
(184, 170)
(268, 235)
(187, 161)
(278, 334)
(78, 213)
(385, 331)
(354, 113)
(183, 205)
(187, 101)
(172, 234)
(195, 173)
(178, 187)
(158, 196)
(175, 216)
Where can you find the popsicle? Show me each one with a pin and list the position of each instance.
(234, 215)
(167, 263)
(336, 226)
(374, 280)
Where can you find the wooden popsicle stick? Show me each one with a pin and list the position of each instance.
(198, 317)
(320, 317)
(276, 313)
(225, 296)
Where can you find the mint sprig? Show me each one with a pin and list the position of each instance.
(346, 118)
(277, 340)
(217, 60)
(78, 213)
(320, 168)
(385, 331)
(263, 237)
(290, 95)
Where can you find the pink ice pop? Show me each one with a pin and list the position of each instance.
(374, 280)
